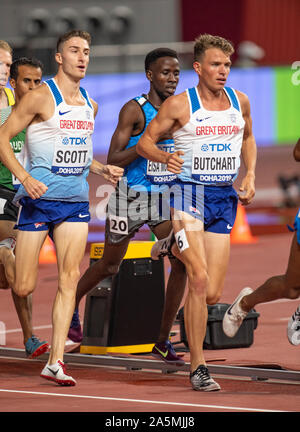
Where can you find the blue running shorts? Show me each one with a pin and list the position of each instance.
(215, 206)
(43, 215)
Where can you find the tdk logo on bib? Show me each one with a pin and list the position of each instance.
(216, 147)
(74, 140)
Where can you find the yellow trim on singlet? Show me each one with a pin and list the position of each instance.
(10, 96)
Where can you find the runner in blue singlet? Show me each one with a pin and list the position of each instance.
(141, 184)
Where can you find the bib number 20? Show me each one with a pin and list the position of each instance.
(118, 224)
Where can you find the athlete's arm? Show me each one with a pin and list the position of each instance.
(249, 153)
(20, 118)
(164, 122)
(297, 151)
(111, 173)
(131, 122)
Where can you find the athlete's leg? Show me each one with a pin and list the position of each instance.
(70, 241)
(108, 265)
(23, 305)
(217, 247)
(190, 249)
(281, 286)
(7, 257)
(28, 248)
(276, 287)
(175, 287)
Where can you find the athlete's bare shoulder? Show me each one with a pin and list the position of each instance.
(131, 113)
(38, 102)
(95, 106)
(244, 101)
(131, 107)
(176, 107)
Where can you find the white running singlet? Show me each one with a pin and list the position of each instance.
(211, 141)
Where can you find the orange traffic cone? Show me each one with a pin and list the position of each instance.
(241, 232)
(47, 254)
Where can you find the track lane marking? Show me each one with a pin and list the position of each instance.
(142, 401)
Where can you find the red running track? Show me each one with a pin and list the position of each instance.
(103, 389)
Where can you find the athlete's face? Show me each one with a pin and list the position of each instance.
(29, 78)
(5, 63)
(164, 76)
(74, 57)
(213, 69)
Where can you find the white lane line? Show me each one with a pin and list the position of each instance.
(19, 330)
(142, 401)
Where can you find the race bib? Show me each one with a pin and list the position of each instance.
(214, 163)
(157, 172)
(118, 224)
(71, 155)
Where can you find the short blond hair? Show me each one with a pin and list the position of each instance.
(6, 47)
(206, 41)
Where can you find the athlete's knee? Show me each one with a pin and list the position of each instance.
(111, 269)
(212, 299)
(69, 276)
(23, 288)
(198, 280)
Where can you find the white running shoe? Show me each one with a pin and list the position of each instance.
(162, 247)
(235, 315)
(293, 328)
(57, 373)
(9, 242)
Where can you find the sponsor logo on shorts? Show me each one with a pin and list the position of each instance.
(229, 227)
(39, 224)
(194, 210)
(83, 215)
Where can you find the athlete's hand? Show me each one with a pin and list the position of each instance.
(174, 163)
(33, 187)
(112, 173)
(247, 190)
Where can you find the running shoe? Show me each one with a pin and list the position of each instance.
(163, 247)
(235, 315)
(34, 347)
(75, 332)
(9, 242)
(57, 373)
(202, 381)
(293, 328)
(164, 351)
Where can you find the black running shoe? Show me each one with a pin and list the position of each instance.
(201, 380)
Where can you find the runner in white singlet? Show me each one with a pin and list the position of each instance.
(54, 189)
(211, 126)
